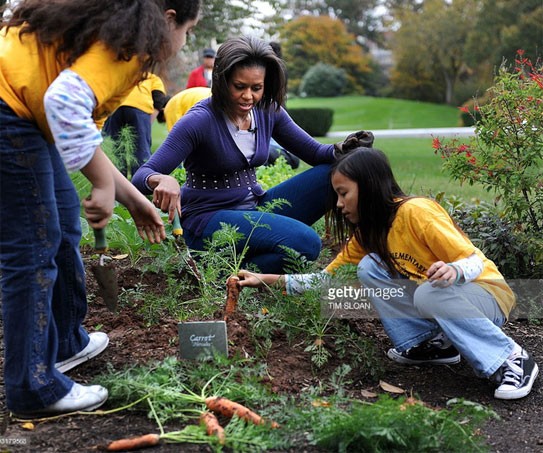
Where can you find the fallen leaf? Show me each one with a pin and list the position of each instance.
(120, 257)
(390, 388)
(320, 403)
(29, 426)
(369, 394)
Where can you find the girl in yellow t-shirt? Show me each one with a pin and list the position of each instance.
(437, 295)
(64, 67)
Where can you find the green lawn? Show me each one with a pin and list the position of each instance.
(364, 112)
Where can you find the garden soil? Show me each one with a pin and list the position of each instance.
(132, 341)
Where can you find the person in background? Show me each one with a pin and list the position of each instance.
(221, 141)
(181, 102)
(447, 299)
(137, 112)
(64, 67)
(202, 75)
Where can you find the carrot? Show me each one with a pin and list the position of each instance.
(213, 428)
(134, 443)
(232, 294)
(228, 408)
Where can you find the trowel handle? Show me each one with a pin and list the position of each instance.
(176, 224)
(100, 241)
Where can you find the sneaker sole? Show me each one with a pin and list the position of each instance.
(519, 393)
(46, 413)
(68, 365)
(391, 354)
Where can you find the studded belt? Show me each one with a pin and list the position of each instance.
(234, 180)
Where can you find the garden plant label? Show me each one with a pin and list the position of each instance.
(202, 338)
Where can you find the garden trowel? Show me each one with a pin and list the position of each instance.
(104, 272)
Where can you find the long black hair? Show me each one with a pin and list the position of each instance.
(379, 197)
(128, 27)
(247, 52)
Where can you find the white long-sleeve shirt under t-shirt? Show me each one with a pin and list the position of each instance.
(69, 103)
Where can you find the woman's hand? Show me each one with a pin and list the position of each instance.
(254, 280)
(442, 274)
(166, 194)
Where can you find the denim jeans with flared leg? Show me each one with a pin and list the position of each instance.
(467, 314)
(42, 273)
(288, 226)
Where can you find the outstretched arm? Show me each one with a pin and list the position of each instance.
(254, 280)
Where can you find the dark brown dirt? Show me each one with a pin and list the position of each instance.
(132, 341)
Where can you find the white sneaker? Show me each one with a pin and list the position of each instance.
(98, 342)
(79, 398)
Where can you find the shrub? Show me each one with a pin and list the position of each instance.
(323, 80)
(506, 154)
(469, 113)
(315, 121)
(495, 236)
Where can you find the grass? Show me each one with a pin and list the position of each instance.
(365, 112)
(417, 168)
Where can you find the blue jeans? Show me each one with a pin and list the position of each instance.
(467, 314)
(43, 280)
(288, 226)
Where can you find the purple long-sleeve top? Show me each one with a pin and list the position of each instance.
(201, 141)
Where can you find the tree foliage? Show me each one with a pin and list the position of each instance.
(429, 48)
(503, 27)
(309, 40)
(440, 43)
(358, 16)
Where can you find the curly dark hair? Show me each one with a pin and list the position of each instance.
(247, 52)
(128, 27)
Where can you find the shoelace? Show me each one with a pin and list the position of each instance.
(513, 372)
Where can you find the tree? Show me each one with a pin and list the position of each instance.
(309, 40)
(503, 27)
(358, 16)
(432, 40)
(220, 19)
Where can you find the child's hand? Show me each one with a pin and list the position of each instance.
(98, 207)
(250, 279)
(442, 274)
(254, 280)
(148, 221)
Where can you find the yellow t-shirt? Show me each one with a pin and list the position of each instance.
(27, 69)
(421, 234)
(141, 96)
(181, 102)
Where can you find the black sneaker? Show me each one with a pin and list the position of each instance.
(517, 375)
(428, 352)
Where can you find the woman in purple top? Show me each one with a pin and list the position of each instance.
(221, 141)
